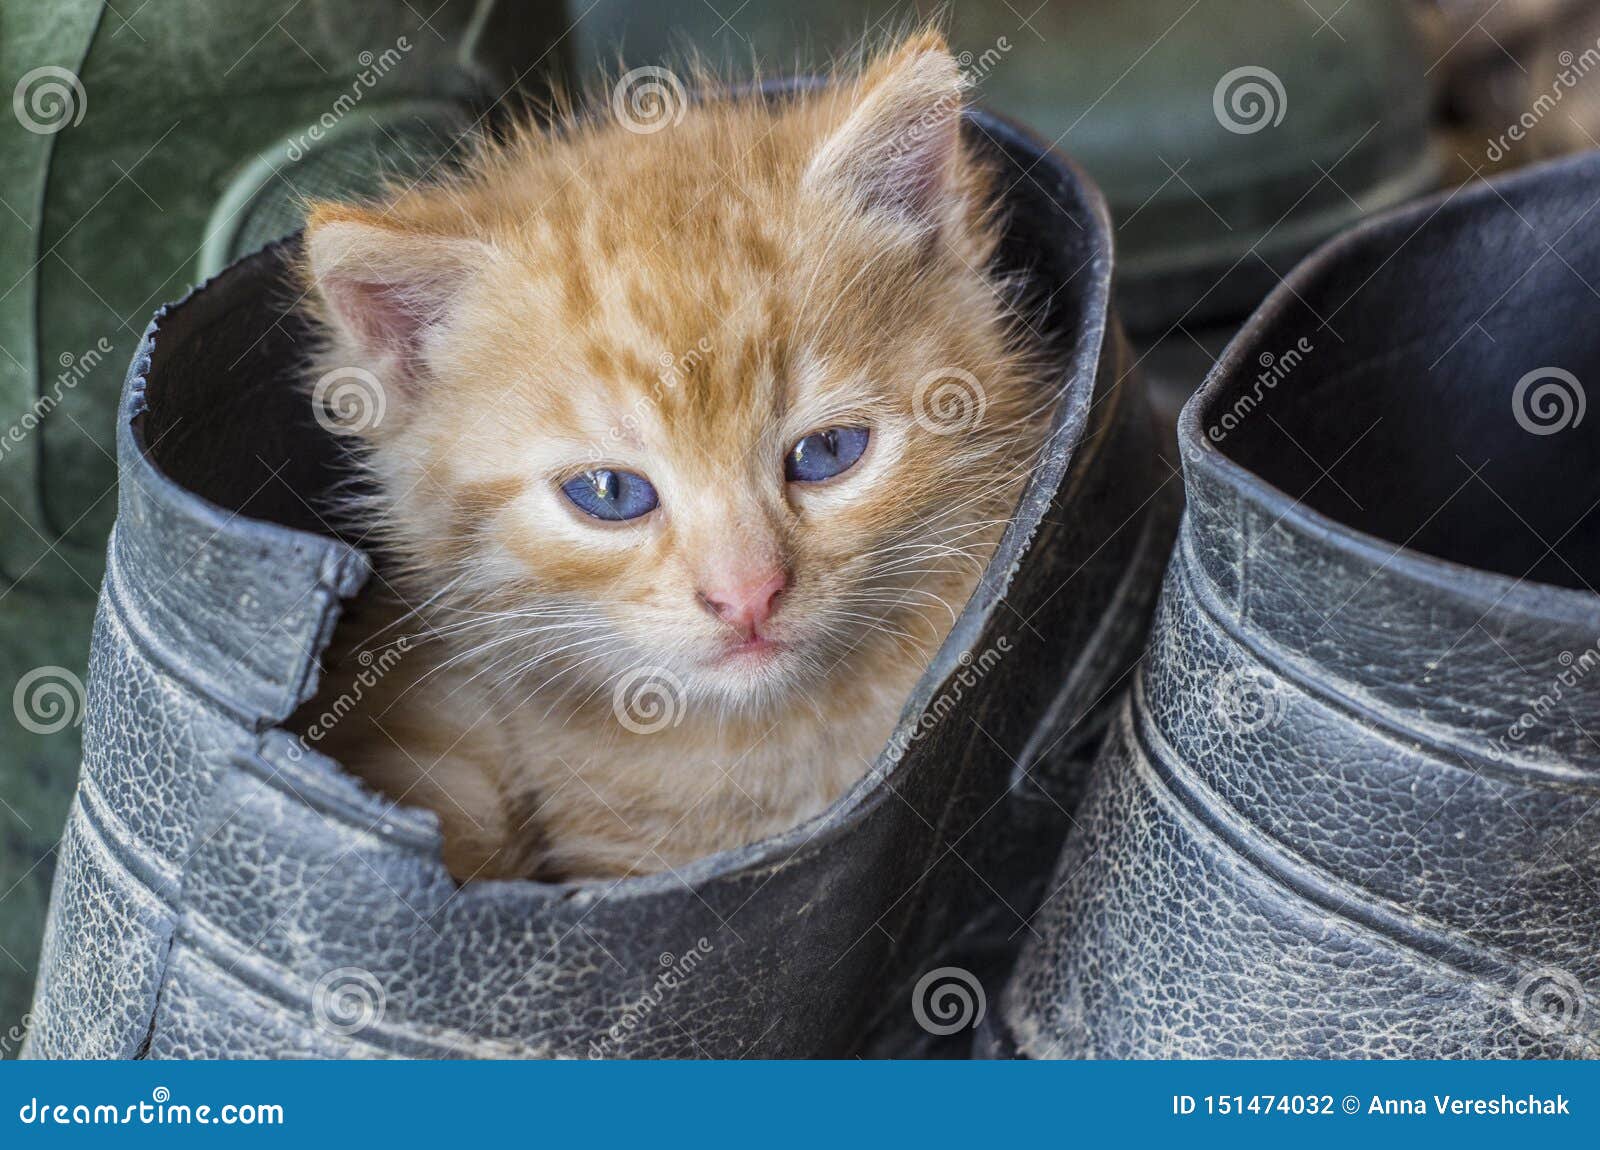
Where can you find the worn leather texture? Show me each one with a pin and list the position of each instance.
(1351, 806)
(219, 895)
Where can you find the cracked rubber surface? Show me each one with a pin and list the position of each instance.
(1324, 824)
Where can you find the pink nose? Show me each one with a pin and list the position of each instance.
(746, 606)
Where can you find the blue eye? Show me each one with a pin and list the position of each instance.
(824, 454)
(613, 495)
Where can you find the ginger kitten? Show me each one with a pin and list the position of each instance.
(694, 442)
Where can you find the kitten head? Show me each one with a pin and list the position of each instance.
(735, 400)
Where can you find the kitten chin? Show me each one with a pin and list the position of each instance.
(682, 446)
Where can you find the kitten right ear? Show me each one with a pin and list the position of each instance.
(385, 287)
(897, 153)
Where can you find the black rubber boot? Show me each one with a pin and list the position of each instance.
(1351, 807)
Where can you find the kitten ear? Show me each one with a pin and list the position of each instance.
(385, 287)
(897, 153)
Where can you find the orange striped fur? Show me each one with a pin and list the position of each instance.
(684, 303)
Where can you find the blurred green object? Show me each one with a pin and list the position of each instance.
(147, 146)
(1232, 138)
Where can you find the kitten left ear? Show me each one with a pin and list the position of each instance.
(897, 153)
(385, 287)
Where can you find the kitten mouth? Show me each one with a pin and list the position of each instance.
(757, 649)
